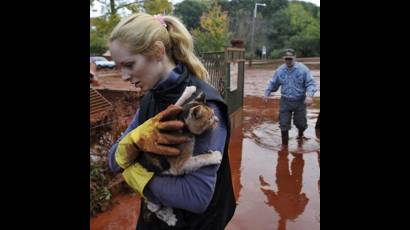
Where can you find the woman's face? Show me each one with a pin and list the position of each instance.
(141, 71)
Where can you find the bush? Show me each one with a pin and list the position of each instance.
(277, 53)
(100, 196)
(100, 32)
(213, 35)
(98, 46)
(305, 46)
(101, 140)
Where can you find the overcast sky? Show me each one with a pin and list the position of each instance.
(317, 2)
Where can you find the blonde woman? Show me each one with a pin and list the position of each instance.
(155, 53)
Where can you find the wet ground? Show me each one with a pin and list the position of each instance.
(122, 216)
(274, 189)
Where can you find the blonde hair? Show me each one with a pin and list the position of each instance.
(139, 32)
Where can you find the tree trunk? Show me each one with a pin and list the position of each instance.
(113, 10)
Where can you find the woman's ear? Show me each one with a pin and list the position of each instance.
(159, 50)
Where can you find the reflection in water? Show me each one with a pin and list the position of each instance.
(235, 159)
(318, 152)
(318, 159)
(253, 149)
(288, 201)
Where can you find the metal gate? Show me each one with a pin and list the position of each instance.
(226, 73)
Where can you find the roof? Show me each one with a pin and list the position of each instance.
(107, 53)
(98, 104)
(111, 80)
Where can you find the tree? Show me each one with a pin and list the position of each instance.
(300, 18)
(310, 7)
(103, 25)
(213, 35)
(190, 11)
(306, 41)
(240, 18)
(99, 34)
(278, 25)
(134, 8)
(305, 46)
(306, 26)
(113, 6)
(280, 29)
(158, 6)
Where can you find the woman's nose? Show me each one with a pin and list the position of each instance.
(125, 75)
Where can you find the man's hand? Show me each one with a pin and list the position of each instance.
(309, 101)
(265, 99)
(150, 137)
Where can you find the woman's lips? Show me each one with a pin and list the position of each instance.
(137, 85)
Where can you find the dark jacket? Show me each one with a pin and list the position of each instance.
(222, 206)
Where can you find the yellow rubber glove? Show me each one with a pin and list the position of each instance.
(137, 177)
(148, 137)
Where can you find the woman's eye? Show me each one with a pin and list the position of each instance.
(129, 65)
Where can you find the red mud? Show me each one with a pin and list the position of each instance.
(122, 215)
(275, 189)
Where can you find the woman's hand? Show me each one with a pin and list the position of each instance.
(150, 137)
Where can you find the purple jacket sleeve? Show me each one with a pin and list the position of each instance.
(114, 167)
(193, 191)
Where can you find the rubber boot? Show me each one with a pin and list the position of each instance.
(285, 137)
(300, 136)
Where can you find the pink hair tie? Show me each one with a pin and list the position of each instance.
(160, 18)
